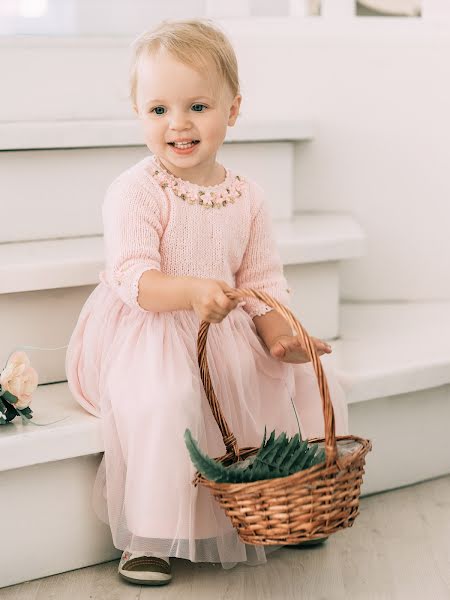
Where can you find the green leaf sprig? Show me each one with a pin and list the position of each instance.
(277, 457)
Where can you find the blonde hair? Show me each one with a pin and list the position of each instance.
(195, 43)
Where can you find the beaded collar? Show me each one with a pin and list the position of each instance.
(209, 196)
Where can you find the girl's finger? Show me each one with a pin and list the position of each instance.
(321, 343)
(320, 346)
(298, 343)
(278, 350)
(215, 316)
(226, 303)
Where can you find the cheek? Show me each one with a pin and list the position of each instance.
(216, 127)
(153, 130)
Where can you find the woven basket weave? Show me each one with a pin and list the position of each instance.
(309, 504)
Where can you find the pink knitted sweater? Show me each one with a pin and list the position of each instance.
(154, 220)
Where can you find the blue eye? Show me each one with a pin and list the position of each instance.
(198, 107)
(158, 110)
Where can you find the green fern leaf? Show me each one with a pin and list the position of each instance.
(319, 457)
(302, 459)
(290, 464)
(276, 457)
(305, 460)
(259, 473)
(207, 466)
(290, 447)
(266, 448)
(264, 438)
(278, 445)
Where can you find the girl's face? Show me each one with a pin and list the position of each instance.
(184, 113)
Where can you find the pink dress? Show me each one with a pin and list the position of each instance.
(138, 371)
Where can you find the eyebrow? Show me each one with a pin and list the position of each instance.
(158, 101)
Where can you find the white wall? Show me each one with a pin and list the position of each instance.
(381, 101)
(379, 91)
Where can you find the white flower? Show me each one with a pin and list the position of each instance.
(19, 379)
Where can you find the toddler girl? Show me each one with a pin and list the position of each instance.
(181, 230)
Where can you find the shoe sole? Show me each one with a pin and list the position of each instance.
(147, 579)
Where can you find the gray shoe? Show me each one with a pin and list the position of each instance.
(144, 570)
(306, 543)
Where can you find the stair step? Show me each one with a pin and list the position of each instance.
(319, 237)
(69, 262)
(393, 348)
(78, 434)
(64, 189)
(394, 360)
(21, 135)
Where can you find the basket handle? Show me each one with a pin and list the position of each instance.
(327, 407)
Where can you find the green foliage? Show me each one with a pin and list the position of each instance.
(276, 457)
(9, 397)
(10, 412)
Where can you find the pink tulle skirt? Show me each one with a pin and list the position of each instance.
(138, 372)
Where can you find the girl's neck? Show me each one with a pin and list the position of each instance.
(208, 174)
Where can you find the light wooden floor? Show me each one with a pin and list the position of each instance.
(398, 548)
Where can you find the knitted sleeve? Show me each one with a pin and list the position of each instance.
(261, 268)
(132, 233)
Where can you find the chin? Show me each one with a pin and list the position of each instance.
(187, 160)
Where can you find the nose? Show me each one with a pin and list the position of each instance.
(179, 121)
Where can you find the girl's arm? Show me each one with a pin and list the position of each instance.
(132, 229)
(271, 326)
(276, 333)
(261, 269)
(159, 293)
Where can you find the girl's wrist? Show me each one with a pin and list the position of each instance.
(189, 287)
(271, 327)
(273, 340)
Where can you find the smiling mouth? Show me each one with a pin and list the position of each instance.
(183, 145)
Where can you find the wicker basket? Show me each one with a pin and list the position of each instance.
(309, 504)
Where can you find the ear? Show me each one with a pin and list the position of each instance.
(234, 110)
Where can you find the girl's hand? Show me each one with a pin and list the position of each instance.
(208, 300)
(290, 349)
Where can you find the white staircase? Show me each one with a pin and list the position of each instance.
(394, 359)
